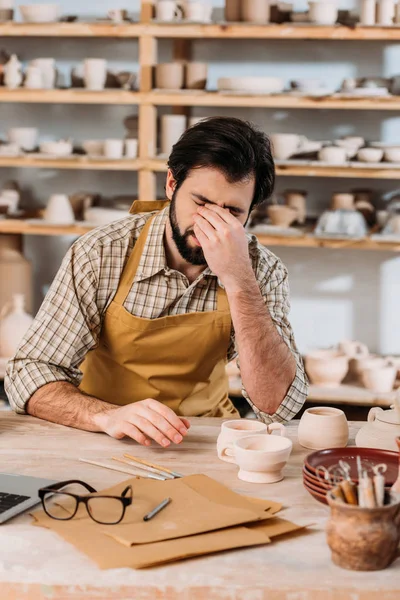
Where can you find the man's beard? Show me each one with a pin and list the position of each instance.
(194, 256)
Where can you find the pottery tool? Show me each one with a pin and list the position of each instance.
(157, 509)
(159, 474)
(368, 496)
(379, 483)
(129, 471)
(349, 491)
(337, 494)
(153, 466)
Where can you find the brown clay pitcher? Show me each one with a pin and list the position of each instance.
(363, 539)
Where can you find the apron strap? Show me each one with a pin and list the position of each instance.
(222, 300)
(129, 272)
(143, 206)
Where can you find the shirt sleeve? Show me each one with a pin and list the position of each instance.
(275, 291)
(66, 327)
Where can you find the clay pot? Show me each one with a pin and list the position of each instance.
(232, 10)
(15, 269)
(296, 199)
(261, 458)
(363, 539)
(342, 202)
(323, 427)
(169, 76)
(196, 76)
(234, 430)
(281, 216)
(326, 368)
(255, 11)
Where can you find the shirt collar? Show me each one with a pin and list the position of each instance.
(153, 259)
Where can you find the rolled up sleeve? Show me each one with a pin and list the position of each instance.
(275, 291)
(66, 327)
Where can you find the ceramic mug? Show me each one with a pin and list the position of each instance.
(256, 11)
(131, 148)
(59, 210)
(117, 15)
(95, 73)
(342, 201)
(232, 431)
(25, 137)
(168, 10)
(232, 10)
(199, 12)
(323, 12)
(113, 149)
(172, 127)
(34, 78)
(47, 67)
(196, 76)
(385, 12)
(286, 144)
(323, 427)
(169, 75)
(368, 12)
(261, 458)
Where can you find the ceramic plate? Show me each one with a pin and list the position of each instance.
(319, 497)
(319, 486)
(369, 456)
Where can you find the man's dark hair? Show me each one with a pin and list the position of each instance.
(233, 146)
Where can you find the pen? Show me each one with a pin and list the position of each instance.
(157, 509)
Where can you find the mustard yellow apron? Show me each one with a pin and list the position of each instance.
(178, 360)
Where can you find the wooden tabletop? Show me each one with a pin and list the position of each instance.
(37, 564)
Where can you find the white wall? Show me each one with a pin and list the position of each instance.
(335, 294)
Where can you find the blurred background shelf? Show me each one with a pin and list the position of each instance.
(79, 163)
(82, 30)
(69, 96)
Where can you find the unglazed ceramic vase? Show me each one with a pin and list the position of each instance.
(15, 270)
(326, 368)
(169, 75)
(172, 127)
(342, 201)
(296, 199)
(12, 73)
(261, 458)
(232, 10)
(14, 323)
(381, 430)
(59, 210)
(95, 73)
(385, 12)
(232, 431)
(48, 70)
(363, 539)
(323, 427)
(255, 11)
(368, 12)
(281, 216)
(196, 76)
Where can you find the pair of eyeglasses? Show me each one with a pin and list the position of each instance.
(61, 501)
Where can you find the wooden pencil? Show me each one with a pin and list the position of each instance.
(153, 466)
(120, 469)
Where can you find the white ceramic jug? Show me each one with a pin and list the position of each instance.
(14, 323)
(12, 73)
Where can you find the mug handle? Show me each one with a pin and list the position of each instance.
(373, 413)
(275, 427)
(228, 453)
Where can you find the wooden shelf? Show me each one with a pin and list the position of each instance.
(81, 30)
(286, 31)
(79, 163)
(20, 227)
(69, 96)
(215, 99)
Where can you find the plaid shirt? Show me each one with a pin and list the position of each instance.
(69, 321)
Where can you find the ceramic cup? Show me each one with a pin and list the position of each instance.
(25, 137)
(47, 67)
(281, 216)
(323, 12)
(169, 76)
(93, 147)
(34, 78)
(256, 11)
(342, 201)
(368, 12)
(131, 148)
(296, 199)
(370, 155)
(323, 427)
(95, 73)
(261, 458)
(385, 12)
(168, 10)
(232, 431)
(286, 144)
(59, 210)
(113, 149)
(196, 76)
(172, 127)
(333, 155)
(199, 12)
(117, 15)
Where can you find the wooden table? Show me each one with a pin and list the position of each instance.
(37, 564)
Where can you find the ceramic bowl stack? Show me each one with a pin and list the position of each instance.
(251, 85)
(318, 487)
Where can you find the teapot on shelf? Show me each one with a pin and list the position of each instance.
(382, 429)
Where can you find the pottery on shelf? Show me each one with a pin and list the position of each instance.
(168, 10)
(284, 145)
(232, 10)
(59, 210)
(370, 155)
(368, 12)
(342, 201)
(323, 12)
(172, 127)
(233, 430)
(14, 323)
(255, 11)
(12, 73)
(357, 353)
(326, 368)
(113, 149)
(334, 155)
(33, 78)
(40, 13)
(56, 148)
(261, 458)
(323, 427)
(15, 269)
(281, 216)
(6, 10)
(296, 199)
(93, 148)
(251, 85)
(24, 137)
(378, 376)
(99, 215)
(385, 12)
(342, 223)
(131, 148)
(382, 428)
(95, 73)
(363, 539)
(9, 200)
(48, 71)
(196, 76)
(199, 11)
(392, 155)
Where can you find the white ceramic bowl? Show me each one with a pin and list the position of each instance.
(60, 148)
(326, 368)
(40, 13)
(370, 155)
(93, 147)
(261, 458)
(392, 155)
(24, 137)
(265, 85)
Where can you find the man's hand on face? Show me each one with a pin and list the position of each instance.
(224, 244)
(144, 421)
